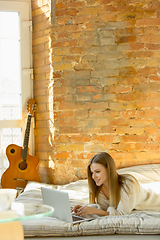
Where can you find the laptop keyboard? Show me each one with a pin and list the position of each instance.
(76, 218)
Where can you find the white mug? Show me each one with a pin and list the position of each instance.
(7, 196)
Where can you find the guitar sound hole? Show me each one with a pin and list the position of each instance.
(22, 165)
(12, 150)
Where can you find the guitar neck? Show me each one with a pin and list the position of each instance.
(26, 139)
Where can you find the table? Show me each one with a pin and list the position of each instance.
(10, 226)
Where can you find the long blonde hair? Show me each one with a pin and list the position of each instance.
(115, 181)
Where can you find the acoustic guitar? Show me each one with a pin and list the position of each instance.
(22, 166)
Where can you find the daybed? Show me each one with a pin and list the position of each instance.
(139, 224)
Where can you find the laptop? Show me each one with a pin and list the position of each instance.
(59, 200)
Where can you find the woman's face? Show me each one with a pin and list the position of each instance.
(99, 174)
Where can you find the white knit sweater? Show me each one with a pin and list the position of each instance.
(139, 199)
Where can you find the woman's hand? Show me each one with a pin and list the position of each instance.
(84, 210)
(76, 208)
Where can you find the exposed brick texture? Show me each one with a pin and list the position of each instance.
(96, 84)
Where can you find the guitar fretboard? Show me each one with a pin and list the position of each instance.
(26, 139)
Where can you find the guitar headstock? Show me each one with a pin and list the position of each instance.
(31, 107)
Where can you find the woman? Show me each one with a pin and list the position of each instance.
(111, 193)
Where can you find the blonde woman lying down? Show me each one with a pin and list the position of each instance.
(113, 194)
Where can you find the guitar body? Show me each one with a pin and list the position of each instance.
(19, 172)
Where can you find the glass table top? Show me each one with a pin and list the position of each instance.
(25, 211)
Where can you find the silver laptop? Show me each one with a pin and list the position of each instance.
(59, 200)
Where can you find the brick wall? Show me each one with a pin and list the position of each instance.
(97, 84)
